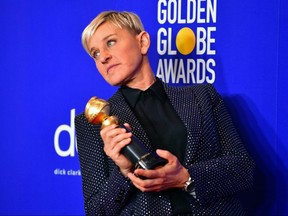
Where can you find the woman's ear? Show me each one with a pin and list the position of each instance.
(144, 39)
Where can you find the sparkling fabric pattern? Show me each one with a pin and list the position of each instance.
(215, 158)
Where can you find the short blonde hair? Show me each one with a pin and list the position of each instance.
(124, 19)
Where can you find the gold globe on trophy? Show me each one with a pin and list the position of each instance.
(97, 112)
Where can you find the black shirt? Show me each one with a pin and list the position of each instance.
(163, 126)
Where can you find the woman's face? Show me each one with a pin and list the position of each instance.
(117, 53)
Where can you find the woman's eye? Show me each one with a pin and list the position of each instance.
(111, 42)
(96, 54)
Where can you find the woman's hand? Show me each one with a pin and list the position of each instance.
(172, 175)
(115, 138)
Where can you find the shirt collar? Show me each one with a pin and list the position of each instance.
(132, 95)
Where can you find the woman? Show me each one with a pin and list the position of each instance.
(190, 127)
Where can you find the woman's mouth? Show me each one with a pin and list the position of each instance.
(111, 67)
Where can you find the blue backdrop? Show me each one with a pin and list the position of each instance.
(47, 78)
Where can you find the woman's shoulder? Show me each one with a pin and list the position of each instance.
(196, 88)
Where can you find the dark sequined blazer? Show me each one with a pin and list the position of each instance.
(215, 157)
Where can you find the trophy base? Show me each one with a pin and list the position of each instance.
(150, 161)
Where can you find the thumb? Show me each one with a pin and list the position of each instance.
(164, 154)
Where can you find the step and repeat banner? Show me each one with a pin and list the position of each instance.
(47, 78)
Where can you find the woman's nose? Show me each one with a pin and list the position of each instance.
(104, 56)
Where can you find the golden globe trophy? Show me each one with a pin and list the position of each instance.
(97, 112)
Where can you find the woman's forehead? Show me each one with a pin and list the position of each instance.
(109, 28)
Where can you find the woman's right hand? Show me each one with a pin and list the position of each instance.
(115, 138)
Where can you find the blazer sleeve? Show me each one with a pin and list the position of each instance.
(105, 189)
(222, 165)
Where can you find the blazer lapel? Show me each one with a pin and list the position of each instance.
(184, 102)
